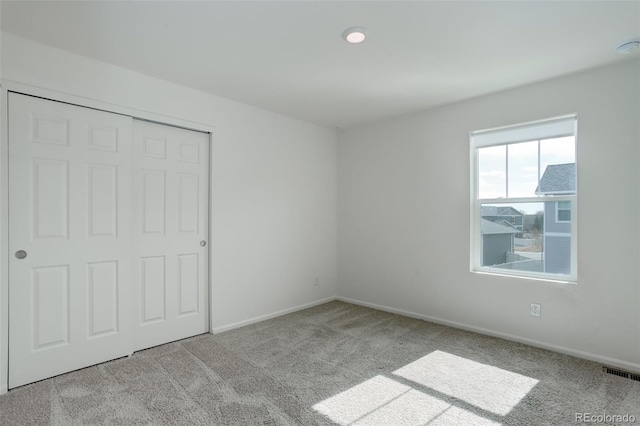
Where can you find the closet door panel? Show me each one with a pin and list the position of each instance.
(70, 238)
(171, 175)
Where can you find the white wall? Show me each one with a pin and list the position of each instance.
(403, 218)
(273, 221)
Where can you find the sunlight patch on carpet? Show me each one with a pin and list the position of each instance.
(384, 401)
(484, 386)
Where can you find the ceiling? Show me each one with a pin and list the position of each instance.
(289, 57)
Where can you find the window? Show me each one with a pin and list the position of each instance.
(523, 183)
(563, 211)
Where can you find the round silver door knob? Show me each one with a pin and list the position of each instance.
(21, 254)
(203, 243)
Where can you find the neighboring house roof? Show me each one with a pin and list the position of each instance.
(488, 227)
(499, 211)
(488, 211)
(510, 211)
(507, 224)
(558, 179)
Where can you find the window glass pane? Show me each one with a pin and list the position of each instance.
(564, 215)
(492, 176)
(523, 169)
(525, 237)
(557, 166)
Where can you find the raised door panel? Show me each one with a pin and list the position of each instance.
(102, 298)
(50, 306)
(49, 129)
(102, 200)
(153, 199)
(189, 152)
(50, 190)
(102, 138)
(188, 203)
(153, 282)
(154, 147)
(188, 284)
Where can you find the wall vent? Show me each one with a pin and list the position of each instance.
(621, 373)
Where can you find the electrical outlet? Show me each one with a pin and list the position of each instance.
(535, 309)
(316, 282)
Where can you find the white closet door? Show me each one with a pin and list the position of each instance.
(171, 169)
(70, 180)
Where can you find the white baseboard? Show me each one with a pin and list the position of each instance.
(612, 362)
(239, 324)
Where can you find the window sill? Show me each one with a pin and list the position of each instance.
(551, 280)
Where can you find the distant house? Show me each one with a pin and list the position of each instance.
(497, 242)
(505, 215)
(558, 179)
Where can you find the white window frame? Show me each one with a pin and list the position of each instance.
(524, 132)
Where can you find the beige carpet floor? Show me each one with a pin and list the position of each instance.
(332, 364)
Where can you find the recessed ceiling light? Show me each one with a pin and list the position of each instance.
(355, 35)
(628, 46)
